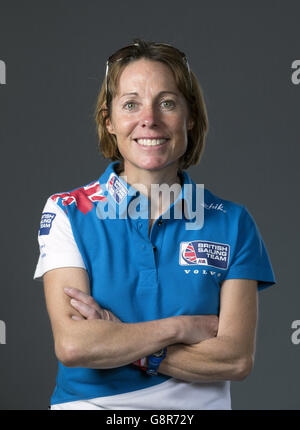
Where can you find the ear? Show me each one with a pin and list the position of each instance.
(109, 126)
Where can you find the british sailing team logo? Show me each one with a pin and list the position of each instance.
(46, 223)
(204, 253)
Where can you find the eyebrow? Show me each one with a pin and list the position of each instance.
(133, 93)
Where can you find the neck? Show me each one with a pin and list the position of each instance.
(142, 179)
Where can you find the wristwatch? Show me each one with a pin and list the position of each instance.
(154, 361)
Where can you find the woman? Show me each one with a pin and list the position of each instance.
(155, 311)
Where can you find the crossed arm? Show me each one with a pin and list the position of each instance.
(200, 348)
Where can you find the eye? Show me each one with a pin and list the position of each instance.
(130, 105)
(168, 104)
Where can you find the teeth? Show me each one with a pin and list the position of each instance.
(151, 142)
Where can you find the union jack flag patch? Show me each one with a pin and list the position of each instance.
(83, 197)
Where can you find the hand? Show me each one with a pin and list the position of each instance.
(88, 307)
(196, 328)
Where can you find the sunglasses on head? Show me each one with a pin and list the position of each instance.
(126, 52)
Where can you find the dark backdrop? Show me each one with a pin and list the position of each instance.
(55, 53)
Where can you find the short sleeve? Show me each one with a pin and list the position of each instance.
(58, 247)
(250, 259)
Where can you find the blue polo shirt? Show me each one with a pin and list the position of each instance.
(176, 270)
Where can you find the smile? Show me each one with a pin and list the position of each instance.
(151, 142)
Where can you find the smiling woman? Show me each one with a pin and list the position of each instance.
(150, 126)
(146, 312)
(183, 88)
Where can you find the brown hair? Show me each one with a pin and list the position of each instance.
(186, 82)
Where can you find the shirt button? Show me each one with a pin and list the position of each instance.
(140, 225)
(159, 222)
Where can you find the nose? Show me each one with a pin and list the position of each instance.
(148, 117)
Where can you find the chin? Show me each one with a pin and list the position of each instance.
(153, 165)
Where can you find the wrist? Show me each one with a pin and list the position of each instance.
(142, 363)
(151, 363)
(154, 361)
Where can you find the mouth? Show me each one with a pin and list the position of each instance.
(146, 142)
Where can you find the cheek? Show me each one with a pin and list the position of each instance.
(123, 127)
(180, 128)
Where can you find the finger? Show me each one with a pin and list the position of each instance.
(76, 318)
(77, 294)
(85, 310)
(110, 316)
(81, 296)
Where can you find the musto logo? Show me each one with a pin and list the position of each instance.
(204, 253)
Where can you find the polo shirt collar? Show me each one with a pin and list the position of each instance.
(120, 194)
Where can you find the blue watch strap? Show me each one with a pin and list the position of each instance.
(154, 361)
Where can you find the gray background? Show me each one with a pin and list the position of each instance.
(55, 53)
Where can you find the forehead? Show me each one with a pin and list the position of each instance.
(142, 73)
